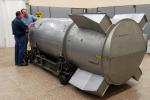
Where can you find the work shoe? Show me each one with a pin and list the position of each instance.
(23, 64)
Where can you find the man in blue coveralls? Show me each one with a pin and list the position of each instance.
(19, 31)
(27, 19)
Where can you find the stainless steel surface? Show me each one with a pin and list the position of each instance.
(111, 51)
(148, 46)
(139, 18)
(81, 78)
(48, 35)
(123, 52)
(97, 22)
(89, 82)
(84, 48)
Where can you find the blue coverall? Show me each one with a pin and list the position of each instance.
(19, 30)
(28, 20)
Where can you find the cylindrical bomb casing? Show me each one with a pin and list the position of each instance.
(112, 52)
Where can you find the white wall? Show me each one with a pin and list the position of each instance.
(8, 9)
(2, 31)
(86, 3)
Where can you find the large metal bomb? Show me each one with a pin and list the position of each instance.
(105, 51)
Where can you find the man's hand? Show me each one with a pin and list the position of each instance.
(31, 25)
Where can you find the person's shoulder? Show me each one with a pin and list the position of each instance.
(13, 19)
(19, 21)
(31, 16)
(23, 18)
(16, 20)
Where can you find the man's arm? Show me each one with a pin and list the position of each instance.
(34, 18)
(22, 25)
(12, 25)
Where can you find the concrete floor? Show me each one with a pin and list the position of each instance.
(34, 83)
